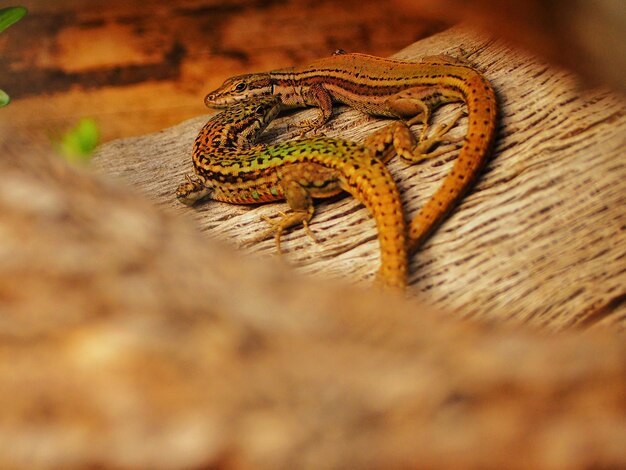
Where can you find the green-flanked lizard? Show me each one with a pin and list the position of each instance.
(229, 166)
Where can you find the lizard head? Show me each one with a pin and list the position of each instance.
(239, 88)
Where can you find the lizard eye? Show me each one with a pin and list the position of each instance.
(240, 86)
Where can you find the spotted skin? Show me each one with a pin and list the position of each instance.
(409, 91)
(230, 167)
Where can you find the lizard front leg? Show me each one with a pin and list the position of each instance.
(319, 97)
(299, 184)
(192, 190)
(301, 204)
(286, 221)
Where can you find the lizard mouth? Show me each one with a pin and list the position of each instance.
(213, 101)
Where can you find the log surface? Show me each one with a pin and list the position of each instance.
(541, 235)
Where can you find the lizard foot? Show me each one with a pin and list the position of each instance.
(424, 145)
(277, 227)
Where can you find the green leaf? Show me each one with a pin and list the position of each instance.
(11, 15)
(78, 143)
(4, 98)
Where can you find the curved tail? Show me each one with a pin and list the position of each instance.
(480, 99)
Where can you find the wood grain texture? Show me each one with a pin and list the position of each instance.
(540, 239)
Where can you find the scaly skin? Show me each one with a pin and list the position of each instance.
(391, 88)
(230, 168)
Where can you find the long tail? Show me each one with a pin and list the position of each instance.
(372, 184)
(480, 98)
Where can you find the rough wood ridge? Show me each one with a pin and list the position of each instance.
(544, 222)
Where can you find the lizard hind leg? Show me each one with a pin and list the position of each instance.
(421, 101)
(415, 105)
(422, 149)
(460, 58)
(397, 137)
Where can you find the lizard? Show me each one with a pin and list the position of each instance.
(230, 166)
(408, 91)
